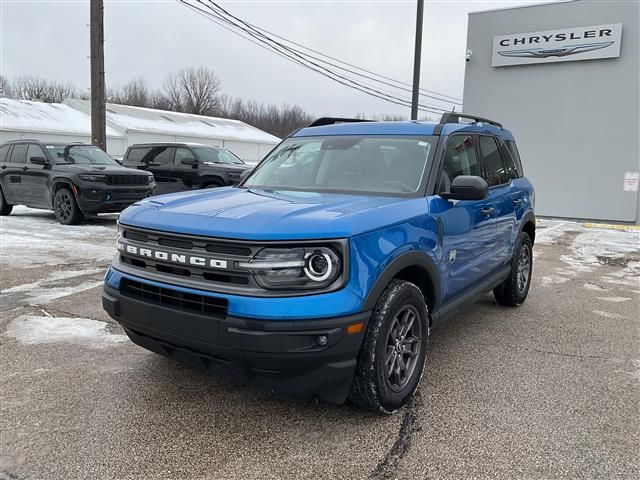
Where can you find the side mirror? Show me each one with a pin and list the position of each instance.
(189, 161)
(38, 161)
(467, 187)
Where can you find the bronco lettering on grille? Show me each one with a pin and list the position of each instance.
(179, 258)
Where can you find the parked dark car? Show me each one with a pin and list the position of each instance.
(73, 180)
(186, 166)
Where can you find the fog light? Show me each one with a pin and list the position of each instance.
(322, 340)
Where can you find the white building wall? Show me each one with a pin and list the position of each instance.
(576, 122)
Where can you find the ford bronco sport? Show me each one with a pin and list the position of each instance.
(72, 179)
(325, 270)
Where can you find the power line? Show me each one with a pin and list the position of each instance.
(300, 58)
(401, 85)
(273, 46)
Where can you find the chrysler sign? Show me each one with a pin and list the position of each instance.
(561, 45)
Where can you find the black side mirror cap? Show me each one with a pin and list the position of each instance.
(467, 187)
(38, 161)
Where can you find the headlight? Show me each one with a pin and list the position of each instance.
(92, 178)
(150, 179)
(294, 268)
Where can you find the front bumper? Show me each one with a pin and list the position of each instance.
(97, 198)
(288, 356)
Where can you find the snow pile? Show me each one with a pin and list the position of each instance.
(31, 237)
(35, 330)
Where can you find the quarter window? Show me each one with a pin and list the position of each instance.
(4, 150)
(515, 155)
(495, 172)
(459, 159)
(19, 153)
(136, 156)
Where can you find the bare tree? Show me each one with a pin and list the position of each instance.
(193, 90)
(34, 88)
(135, 93)
(5, 87)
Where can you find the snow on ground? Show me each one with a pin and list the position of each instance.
(32, 238)
(589, 250)
(34, 330)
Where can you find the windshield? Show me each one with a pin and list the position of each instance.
(216, 155)
(80, 154)
(381, 164)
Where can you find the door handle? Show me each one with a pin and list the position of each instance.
(3, 167)
(487, 211)
(517, 202)
(25, 168)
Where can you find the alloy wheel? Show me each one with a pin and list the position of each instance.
(403, 347)
(524, 268)
(64, 207)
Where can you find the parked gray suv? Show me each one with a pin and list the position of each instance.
(186, 166)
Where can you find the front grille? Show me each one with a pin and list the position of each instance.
(196, 276)
(175, 299)
(127, 179)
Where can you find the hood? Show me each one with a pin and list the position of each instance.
(240, 213)
(104, 169)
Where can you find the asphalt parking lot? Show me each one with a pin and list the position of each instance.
(547, 390)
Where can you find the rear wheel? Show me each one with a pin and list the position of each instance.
(393, 352)
(5, 208)
(66, 208)
(214, 184)
(513, 291)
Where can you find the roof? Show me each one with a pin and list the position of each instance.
(39, 117)
(410, 128)
(148, 120)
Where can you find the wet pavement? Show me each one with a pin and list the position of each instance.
(550, 389)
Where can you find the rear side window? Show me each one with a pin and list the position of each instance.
(19, 153)
(515, 155)
(459, 159)
(495, 172)
(161, 155)
(4, 150)
(136, 156)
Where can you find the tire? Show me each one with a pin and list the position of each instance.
(66, 208)
(372, 387)
(513, 291)
(5, 208)
(214, 184)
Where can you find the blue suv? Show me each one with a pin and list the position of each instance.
(323, 272)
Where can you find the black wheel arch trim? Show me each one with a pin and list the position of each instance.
(528, 217)
(62, 180)
(410, 259)
(213, 178)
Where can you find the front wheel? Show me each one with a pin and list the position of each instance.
(5, 208)
(65, 207)
(513, 291)
(393, 352)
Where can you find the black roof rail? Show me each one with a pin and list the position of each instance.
(333, 120)
(454, 117)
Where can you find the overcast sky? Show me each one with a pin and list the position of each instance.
(151, 39)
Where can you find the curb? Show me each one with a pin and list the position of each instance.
(627, 228)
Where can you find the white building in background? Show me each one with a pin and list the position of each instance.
(71, 122)
(564, 77)
(49, 122)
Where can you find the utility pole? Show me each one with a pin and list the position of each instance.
(98, 107)
(416, 62)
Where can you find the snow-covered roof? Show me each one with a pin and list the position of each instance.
(138, 119)
(26, 116)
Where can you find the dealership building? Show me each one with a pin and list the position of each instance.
(564, 78)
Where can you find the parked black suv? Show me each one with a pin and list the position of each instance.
(73, 180)
(186, 166)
